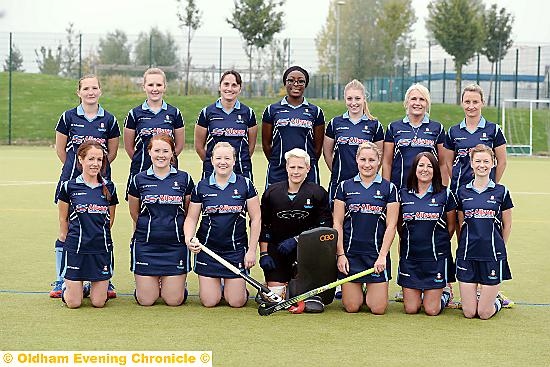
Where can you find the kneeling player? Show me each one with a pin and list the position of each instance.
(365, 215)
(289, 208)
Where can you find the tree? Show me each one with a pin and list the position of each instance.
(498, 33)
(69, 56)
(457, 25)
(16, 60)
(114, 48)
(157, 49)
(257, 21)
(190, 19)
(48, 62)
(373, 35)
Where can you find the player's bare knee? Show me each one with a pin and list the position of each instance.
(98, 303)
(73, 303)
(351, 307)
(469, 314)
(486, 314)
(432, 310)
(237, 302)
(210, 301)
(411, 309)
(173, 301)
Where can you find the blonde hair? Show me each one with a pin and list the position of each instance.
(472, 88)
(482, 148)
(423, 90)
(154, 71)
(224, 144)
(298, 153)
(369, 145)
(357, 85)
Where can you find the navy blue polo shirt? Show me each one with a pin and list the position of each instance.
(347, 136)
(481, 233)
(365, 213)
(409, 141)
(162, 202)
(228, 126)
(89, 217)
(424, 234)
(292, 127)
(460, 140)
(223, 209)
(148, 123)
(78, 129)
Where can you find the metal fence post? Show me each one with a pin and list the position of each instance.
(10, 87)
(80, 55)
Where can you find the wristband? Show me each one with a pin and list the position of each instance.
(263, 253)
(338, 255)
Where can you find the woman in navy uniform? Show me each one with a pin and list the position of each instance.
(365, 215)
(471, 131)
(158, 200)
(292, 123)
(227, 120)
(427, 223)
(485, 223)
(87, 121)
(86, 214)
(152, 117)
(223, 199)
(344, 134)
(414, 133)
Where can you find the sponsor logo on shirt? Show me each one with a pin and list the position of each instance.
(77, 125)
(293, 214)
(415, 142)
(91, 208)
(350, 140)
(479, 213)
(228, 132)
(209, 195)
(294, 122)
(79, 139)
(151, 131)
(366, 208)
(162, 199)
(145, 186)
(223, 209)
(342, 128)
(78, 193)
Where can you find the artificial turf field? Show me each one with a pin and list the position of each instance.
(29, 320)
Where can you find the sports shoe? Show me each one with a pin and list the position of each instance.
(314, 305)
(506, 302)
(86, 287)
(57, 289)
(111, 292)
(338, 293)
(449, 292)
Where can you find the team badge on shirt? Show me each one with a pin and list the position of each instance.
(236, 194)
(378, 195)
(167, 119)
(102, 127)
(239, 120)
(433, 203)
(176, 185)
(308, 204)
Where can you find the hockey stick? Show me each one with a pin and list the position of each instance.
(266, 310)
(266, 292)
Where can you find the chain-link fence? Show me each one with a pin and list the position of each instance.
(120, 61)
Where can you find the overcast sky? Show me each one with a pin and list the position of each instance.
(303, 18)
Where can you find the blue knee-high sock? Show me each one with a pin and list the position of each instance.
(58, 256)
